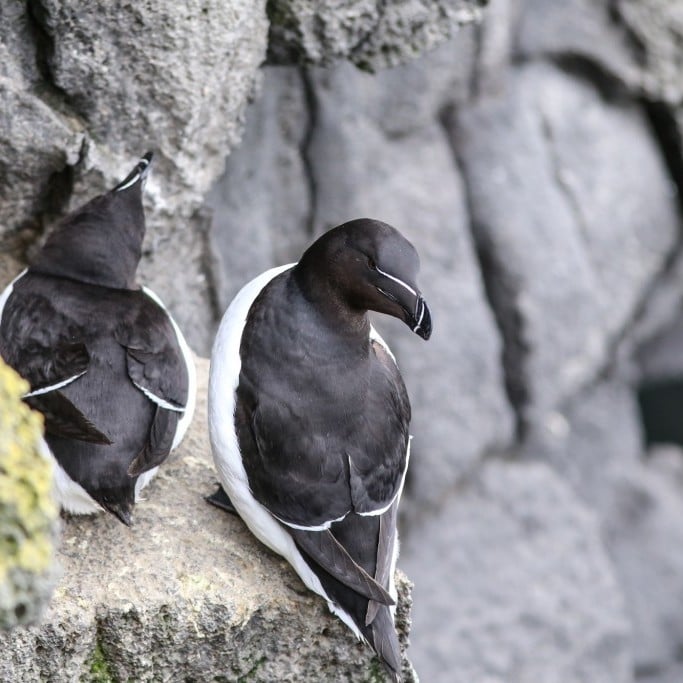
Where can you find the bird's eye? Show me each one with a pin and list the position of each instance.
(371, 263)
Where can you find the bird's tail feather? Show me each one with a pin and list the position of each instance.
(138, 174)
(385, 642)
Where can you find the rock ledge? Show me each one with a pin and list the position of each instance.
(185, 595)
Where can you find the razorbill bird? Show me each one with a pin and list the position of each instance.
(107, 365)
(309, 416)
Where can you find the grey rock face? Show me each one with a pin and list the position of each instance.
(578, 29)
(37, 140)
(596, 444)
(138, 75)
(261, 205)
(590, 440)
(655, 29)
(543, 167)
(369, 33)
(186, 594)
(36, 144)
(515, 586)
(660, 358)
(643, 535)
(113, 82)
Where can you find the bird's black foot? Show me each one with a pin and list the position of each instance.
(221, 500)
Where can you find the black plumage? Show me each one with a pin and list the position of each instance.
(102, 357)
(321, 417)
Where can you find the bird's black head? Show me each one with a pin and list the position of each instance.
(101, 241)
(372, 267)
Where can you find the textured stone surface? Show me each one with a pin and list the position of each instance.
(596, 444)
(370, 33)
(575, 222)
(186, 594)
(580, 30)
(644, 536)
(36, 143)
(28, 513)
(249, 235)
(515, 586)
(590, 440)
(107, 83)
(656, 29)
(148, 65)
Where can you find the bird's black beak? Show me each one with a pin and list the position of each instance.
(420, 321)
(413, 308)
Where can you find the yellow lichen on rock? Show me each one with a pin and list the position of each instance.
(28, 512)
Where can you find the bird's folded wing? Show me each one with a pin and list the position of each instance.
(34, 343)
(156, 367)
(158, 444)
(324, 549)
(63, 419)
(385, 554)
(154, 362)
(49, 365)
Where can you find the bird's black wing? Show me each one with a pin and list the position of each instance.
(327, 552)
(371, 540)
(386, 543)
(311, 474)
(377, 464)
(43, 345)
(311, 461)
(156, 366)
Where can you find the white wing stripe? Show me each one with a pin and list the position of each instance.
(319, 527)
(158, 400)
(145, 163)
(54, 387)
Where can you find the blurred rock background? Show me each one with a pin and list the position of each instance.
(533, 155)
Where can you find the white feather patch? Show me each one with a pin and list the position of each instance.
(54, 387)
(319, 527)
(158, 400)
(71, 496)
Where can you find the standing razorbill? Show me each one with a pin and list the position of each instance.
(107, 365)
(309, 417)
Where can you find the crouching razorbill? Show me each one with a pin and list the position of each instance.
(309, 416)
(107, 365)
